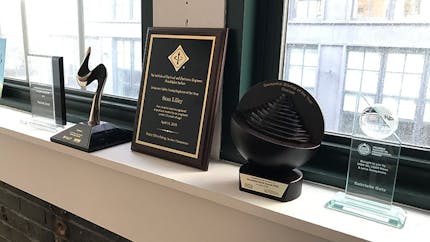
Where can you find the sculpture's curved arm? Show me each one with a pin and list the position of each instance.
(85, 77)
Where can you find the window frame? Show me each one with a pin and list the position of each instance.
(330, 165)
(249, 39)
(120, 110)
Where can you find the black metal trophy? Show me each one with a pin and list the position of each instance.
(277, 127)
(95, 134)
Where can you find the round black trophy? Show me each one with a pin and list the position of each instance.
(277, 127)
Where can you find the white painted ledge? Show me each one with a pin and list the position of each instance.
(145, 198)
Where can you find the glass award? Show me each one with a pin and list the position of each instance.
(372, 171)
(46, 83)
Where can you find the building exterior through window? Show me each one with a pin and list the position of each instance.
(376, 49)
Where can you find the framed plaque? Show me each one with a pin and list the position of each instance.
(179, 92)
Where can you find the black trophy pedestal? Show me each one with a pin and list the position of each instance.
(91, 138)
(280, 183)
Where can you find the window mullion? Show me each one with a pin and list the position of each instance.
(25, 37)
(81, 29)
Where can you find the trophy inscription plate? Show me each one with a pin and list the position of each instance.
(179, 94)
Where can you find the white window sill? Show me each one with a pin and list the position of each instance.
(219, 185)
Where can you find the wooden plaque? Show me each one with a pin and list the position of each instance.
(179, 92)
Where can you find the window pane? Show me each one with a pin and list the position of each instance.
(406, 109)
(350, 102)
(411, 85)
(369, 82)
(309, 76)
(372, 61)
(60, 38)
(395, 62)
(301, 9)
(355, 60)
(311, 57)
(112, 35)
(414, 63)
(295, 74)
(296, 56)
(371, 8)
(353, 79)
(11, 29)
(314, 8)
(392, 84)
(383, 58)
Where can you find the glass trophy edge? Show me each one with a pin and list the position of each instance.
(389, 215)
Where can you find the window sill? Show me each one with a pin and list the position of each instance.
(219, 185)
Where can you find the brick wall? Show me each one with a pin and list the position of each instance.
(24, 217)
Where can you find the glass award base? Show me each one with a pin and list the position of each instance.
(43, 124)
(282, 184)
(91, 138)
(375, 211)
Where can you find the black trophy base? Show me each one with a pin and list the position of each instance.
(279, 183)
(91, 138)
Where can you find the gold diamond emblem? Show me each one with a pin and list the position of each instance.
(178, 58)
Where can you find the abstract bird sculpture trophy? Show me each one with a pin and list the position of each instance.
(85, 77)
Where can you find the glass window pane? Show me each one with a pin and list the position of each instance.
(314, 8)
(407, 109)
(295, 74)
(111, 36)
(349, 102)
(355, 60)
(395, 62)
(414, 63)
(372, 61)
(369, 82)
(11, 29)
(411, 85)
(309, 76)
(352, 81)
(392, 84)
(60, 38)
(301, 8)
(311, 57)
(296, 56)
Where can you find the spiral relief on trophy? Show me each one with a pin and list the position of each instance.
(278, 119)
